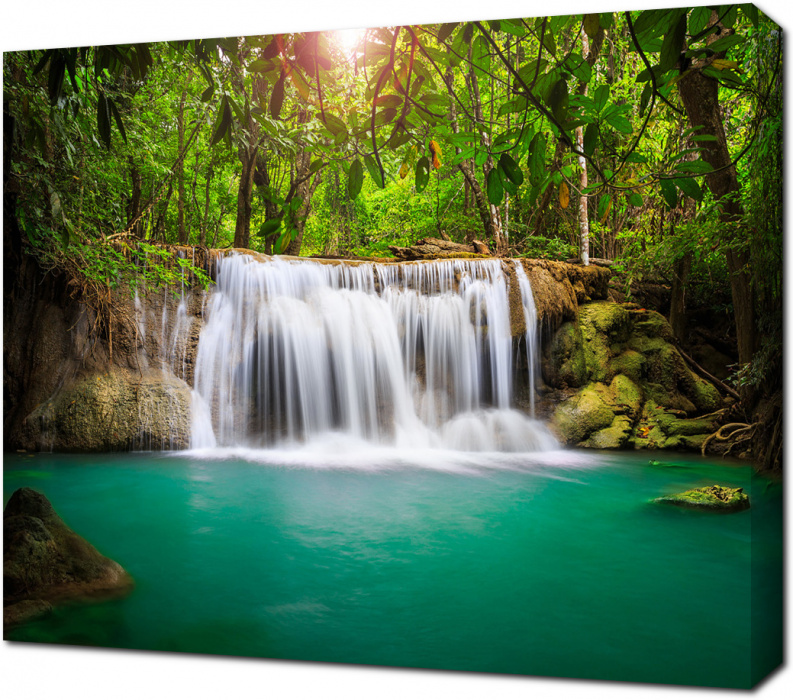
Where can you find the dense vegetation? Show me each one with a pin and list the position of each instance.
(651, 138)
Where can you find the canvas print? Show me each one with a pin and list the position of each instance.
(449, 346)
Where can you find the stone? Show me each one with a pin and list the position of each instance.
(616, 436)
(715, 499)
(583, 414)
(115, 411)
(45, 562)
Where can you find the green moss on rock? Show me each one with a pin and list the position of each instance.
(583, 414)
(616, 436)
(566, 363)
(630, 363)
(718, 499)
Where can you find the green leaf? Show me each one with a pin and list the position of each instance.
(726, 42)
(103, 119)
(536, 160)
(355, 181)
(117, 119)
(603, 205)
(422, 173)
(511, 169)
(698, 20)
(644, 100)
(495, 190)
(207, 94)
(445, 30)
(751, 12)
(591, 25)
(222, 123)
(635, 199)
(601, 97)
(673, 45)
(620, 123)
(669, 192)
(269, 227)
(335, 125)
(606, 19)
(374, 171)
(729, 16)
(277, 97)
(695, 166)
(690, 187)
(558, 99)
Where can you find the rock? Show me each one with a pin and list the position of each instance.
(26, 610)
(118, 410)
(717, 499)
(566, 364)
(583, 414)
(45, 562)
(615, 437)
(648, 380)
(437, 248)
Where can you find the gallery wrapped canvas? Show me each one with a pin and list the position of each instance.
(450, 345)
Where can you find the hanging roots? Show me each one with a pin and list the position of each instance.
(738, 432)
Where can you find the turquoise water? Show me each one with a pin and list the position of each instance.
(557, 567)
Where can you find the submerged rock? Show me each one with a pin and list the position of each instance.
(45, 562)
(719, 499)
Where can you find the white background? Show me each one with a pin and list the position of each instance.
(38, 671)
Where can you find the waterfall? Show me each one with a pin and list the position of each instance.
(413, 355)
(532, 335)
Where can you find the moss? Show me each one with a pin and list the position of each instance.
(652, 325)
(583, 414)
(711, 498)
(630, 363)
(616, 436)
(608, 318)
(626, 395)
(566, 361)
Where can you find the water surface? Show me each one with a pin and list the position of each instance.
(552, 564)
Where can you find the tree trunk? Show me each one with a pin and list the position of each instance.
(242, 227)
(180, 173)
(700, 97)
(677, 311)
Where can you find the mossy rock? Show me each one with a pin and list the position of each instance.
(716, 499)
(583, 414)
(630, 363)
(566, 364)
(652, 325)
(607, 317)
(45, 562)
(626, 395)
(615, 437)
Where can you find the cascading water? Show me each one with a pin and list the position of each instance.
(410, 356)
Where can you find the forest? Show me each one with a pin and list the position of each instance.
(647, 141)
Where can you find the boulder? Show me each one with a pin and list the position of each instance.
(715, 499)
(117, 410)
(627, 357)
(45, 562)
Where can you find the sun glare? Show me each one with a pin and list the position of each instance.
(349, 39)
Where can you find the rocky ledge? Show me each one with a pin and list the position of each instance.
(718, 499)
(44, 562)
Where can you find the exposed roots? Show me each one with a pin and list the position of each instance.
(738, 432)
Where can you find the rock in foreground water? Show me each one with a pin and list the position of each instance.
(45, 562)
(719, 499)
